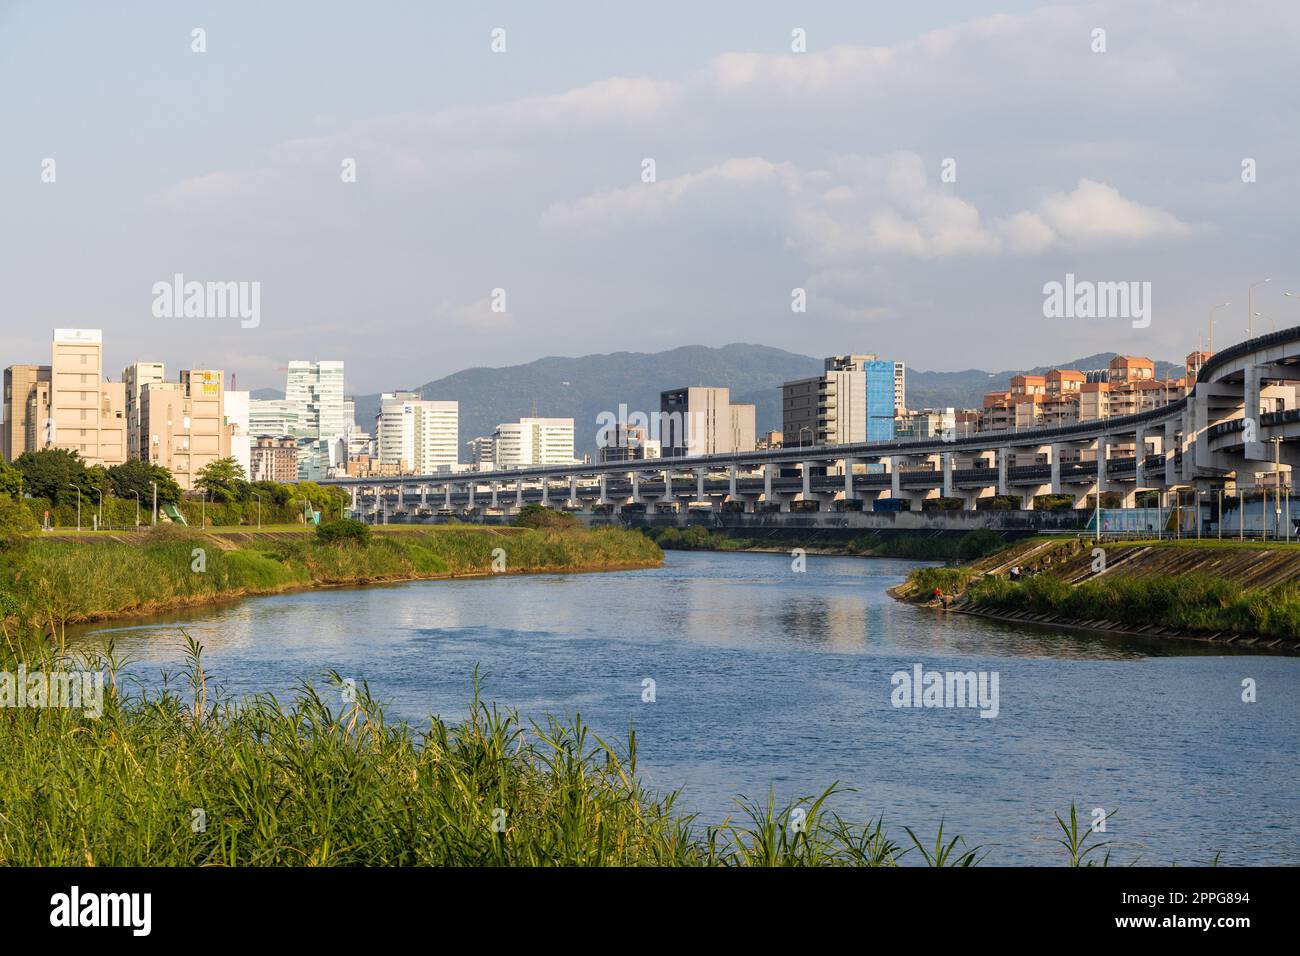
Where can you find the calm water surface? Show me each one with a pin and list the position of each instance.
(768, 678)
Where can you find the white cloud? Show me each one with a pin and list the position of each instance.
(861, 206)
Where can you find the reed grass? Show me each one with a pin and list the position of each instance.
(55, 582)
(184, 776)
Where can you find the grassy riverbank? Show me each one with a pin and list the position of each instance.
(326, 780)
(1184, 587)
(920, 546)
(52, 582)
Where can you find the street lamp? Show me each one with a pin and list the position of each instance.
(1250, 305)
(137, 507)
(78, 489)
(155, 501)
(259, 510)
(1221, 305)
(100, 492)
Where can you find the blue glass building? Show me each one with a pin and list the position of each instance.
(880, 400)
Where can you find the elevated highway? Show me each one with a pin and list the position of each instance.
(1239, 427)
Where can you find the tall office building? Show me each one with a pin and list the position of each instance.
(135, 377)
(703, 421)
(316, 390)
(86, 416)
(26, 408)
(274, 418)
(417, 436)
(533, 441)
(886, 397)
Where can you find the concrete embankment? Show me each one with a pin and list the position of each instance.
(1239, 595)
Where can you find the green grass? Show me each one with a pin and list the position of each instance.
(54, 581)
(194, 779)
(1200, 603)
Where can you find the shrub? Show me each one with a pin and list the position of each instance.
(347, 530)
(538, 516)
(978, 543)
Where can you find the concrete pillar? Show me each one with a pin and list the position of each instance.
(805, 469)
(732, 477)
(699, 483)
(1170, 447)
(1139, 459)
(495, 487)
(573, 490)
(668, 484)
(895, 477)
(604, 489)
(519, 493)
(424, 496)
(471, 493)
(1102, 449)
(401, 496)
(636, 487)
(1004, 456)
(1056, 468)
(448, 502)
(767, 482)
(546, 492)
(850, 493)
(354, 497)
(948, 489)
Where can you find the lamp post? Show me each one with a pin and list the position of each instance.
(78, 490)
(1250, 305)
(155, 502)
(100, 492)
(259, 510)
(1213, 309)
(803, 429)
(137, 507)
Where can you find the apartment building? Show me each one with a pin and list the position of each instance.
(829, 409)
(703, 421)
(185, 424)
(415, 435)
(26, 408)
(135, 377)
(273, 459)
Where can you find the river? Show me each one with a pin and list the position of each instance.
(768, 677)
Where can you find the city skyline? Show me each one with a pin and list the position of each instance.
(526, 176)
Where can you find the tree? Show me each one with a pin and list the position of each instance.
(136, 476)
(224, 481)
(52, 473)
(11, 480)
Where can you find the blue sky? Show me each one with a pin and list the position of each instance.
(522, 171)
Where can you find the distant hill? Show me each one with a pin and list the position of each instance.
(581, 388)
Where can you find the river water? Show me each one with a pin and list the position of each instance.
(767, 677)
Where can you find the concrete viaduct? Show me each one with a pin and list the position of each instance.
(1241, 419)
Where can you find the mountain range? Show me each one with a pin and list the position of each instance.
(583, 387)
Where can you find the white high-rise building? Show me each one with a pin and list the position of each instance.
(316, 389)
(418, 436)
(533, 441)
(239, 423)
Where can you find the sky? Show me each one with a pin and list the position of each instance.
(921, 171)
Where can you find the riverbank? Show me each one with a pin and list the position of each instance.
(1243, 595)
(914, 546)
(50, 583)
